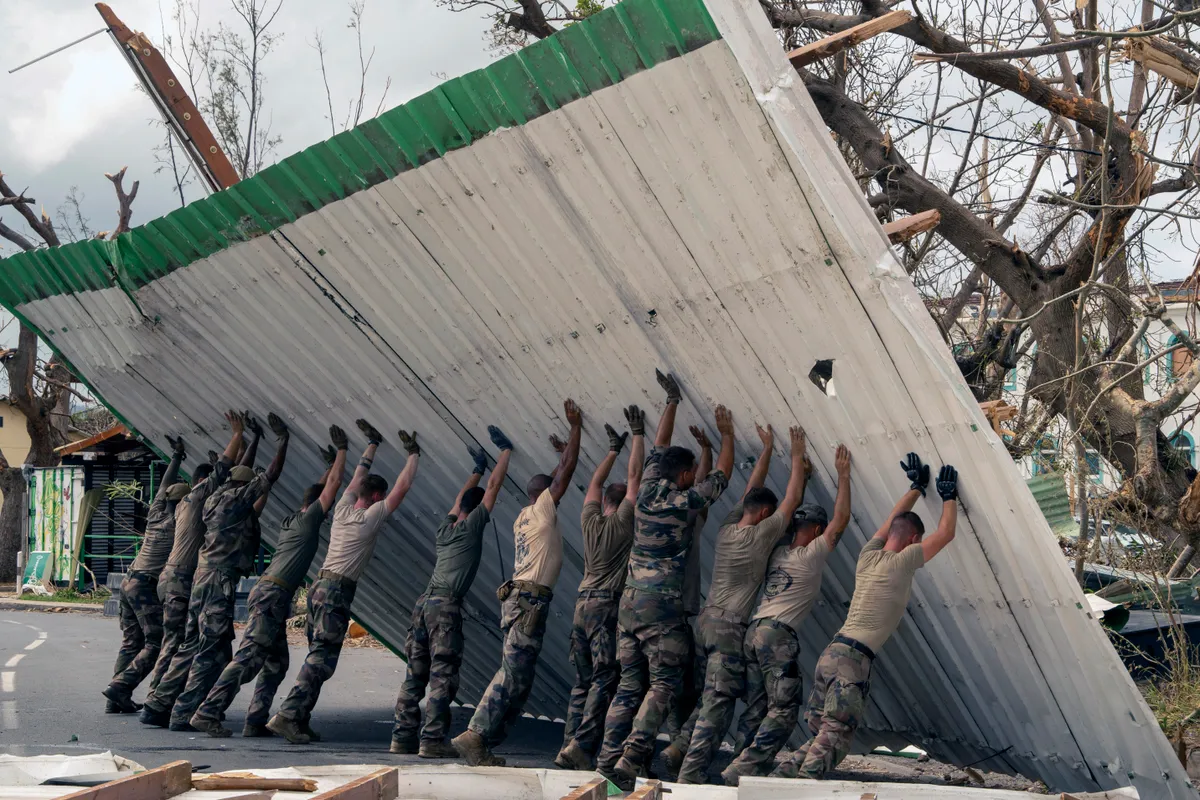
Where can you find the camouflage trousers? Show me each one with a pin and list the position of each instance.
(141, 631)
(652, 646)
(721, 644)
(676, 726)
(523, 623)
(836, 706)
(433, 650)
(263, 653)
(212, 606)
(329, 600)
(594, 654)
(174, 593)
(772, 695)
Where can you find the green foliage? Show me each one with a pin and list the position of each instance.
(585, 8)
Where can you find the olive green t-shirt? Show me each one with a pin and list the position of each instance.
(740, 561)
(882, 585)
(459, 548)
(299, 534)
(606, 544)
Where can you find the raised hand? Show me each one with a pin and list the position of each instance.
(253, 425)
(669, 385)
(479, 455)
(177, 447)
(636, 419)
(916, 472)
(278, 426)
(765, 435)
(701, 436)
(616, 441)
(499, 439)
(370, 431)
(574, 415)
(799, 441)
(947, 483)
(842, 461)
(724, 421)
(213, 457)
(328, 454)
(409, 442)
(558, 444)
(237, 424)
(338, 437)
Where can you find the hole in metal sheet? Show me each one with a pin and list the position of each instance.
(822, 376)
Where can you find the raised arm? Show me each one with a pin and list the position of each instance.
(916, 472)
(616, 443)
(947, 486)
(171, 476)
(795, 488)
(725, 428)
(570, 456)
(405, 481)
(758, 475)
(246, 459)
(333, 476)
(282, 435)
(374, 437)
(841, 506)
(479, 455)
(237, 424)
(705, 465)
(666, 425)
(637, 453)
(496, 479)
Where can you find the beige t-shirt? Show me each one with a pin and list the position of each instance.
(793, 583)
(882, 585)
(606, 544)
(352, 535)
(740, 561)
(538, 543)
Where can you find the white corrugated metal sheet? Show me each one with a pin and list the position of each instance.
(694, 217)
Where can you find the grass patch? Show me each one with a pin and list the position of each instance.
(69, 595)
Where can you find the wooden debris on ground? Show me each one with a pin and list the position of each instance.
(159, 783)
(593, 790)
(382, 784)
(248, 780)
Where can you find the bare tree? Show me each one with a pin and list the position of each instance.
(515, 23)
(355, 106)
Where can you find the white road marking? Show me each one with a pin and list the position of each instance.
(8, 715)
(12, 662)
(35, 644)
(43, 635)
(8, 682)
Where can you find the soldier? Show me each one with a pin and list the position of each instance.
(607, 537)
(264, 649)
(180, 630)
(357, 520)
(227, 555)
(525, 604)
(745, 540)
(652, 639)
(434, 646)
(141, 609)
(882, 584)
(792, 585)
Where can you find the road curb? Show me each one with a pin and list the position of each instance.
(51, 608)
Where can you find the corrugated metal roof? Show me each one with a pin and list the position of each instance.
(1050, 492)
(651, 188)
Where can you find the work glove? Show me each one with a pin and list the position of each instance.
(409, 442)
(917, 472)
(253, 425)
(616, 441)
(213, 457)
(328, 454)
(947, 483)
(669, 385)
(373, 435)
(278, 426)
(338, 437)
(636, 419)
(177, 448)
(499, 439)
(481, 459)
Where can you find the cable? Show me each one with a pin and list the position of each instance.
(499, 555)
(942, 127)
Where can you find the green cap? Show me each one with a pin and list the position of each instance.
(178, 491)
(241, 474)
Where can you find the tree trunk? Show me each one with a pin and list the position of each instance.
(12, 516)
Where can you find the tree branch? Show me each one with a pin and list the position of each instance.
(124, 201)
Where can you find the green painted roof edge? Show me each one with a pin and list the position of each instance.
(599, 51)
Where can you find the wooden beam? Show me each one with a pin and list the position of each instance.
(383, 784)
(232, 781)
(905, 228)
(159, 783)
(594, 790)
(83, 444)
(650, 790)
(824, 48)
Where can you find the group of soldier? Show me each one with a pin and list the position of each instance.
(644, 661)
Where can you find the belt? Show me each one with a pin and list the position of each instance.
(720, 613)
(856, 644)
(599, 594)
(774, 623)
(274, 580)
(330, 575)
(137, 573)
(535, 589)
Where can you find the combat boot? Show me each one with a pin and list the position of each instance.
(253, 730)
(212, 727)
(442, 749)
(119, 702)
(181, 726)
(154, 717)
(474, 750)
(572, 756)
(672, 758)
(623, 775)
(312, 735)
(730, 775)
(288, 729)
(405, 747)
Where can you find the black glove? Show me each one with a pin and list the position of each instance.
(278, 426)
(338, 437)
(328, 454)
(917, 472)
(669, 385)
(177, 448)
(213, 457)
(253, 425)
(409, 442)
(481, 459)
(616, 441)
(499, 439)
(370, 431)
(636, 418)
(947, 483)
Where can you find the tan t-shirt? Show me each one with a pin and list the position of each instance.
(882, 585)
(538, 543)
(606, 544)
(352, 535)
(793, 583)
(740, 561)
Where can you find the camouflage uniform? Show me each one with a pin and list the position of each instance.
(721, 640)
(680, 721)
(174, 594)
(652, 642)
(433, 650)
(597, 670)
(835, 708)
(329, 600)
(523, 615)
(773, 695)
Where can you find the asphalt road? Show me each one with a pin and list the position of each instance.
(54, 666)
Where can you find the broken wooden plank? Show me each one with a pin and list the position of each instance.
(838, 42)
(1169, 60)
(383, 784)
(650, 790)
(593, 790)
(905, 228)
(159, 783)
(247, 780)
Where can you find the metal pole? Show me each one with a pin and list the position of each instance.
(59, 50)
